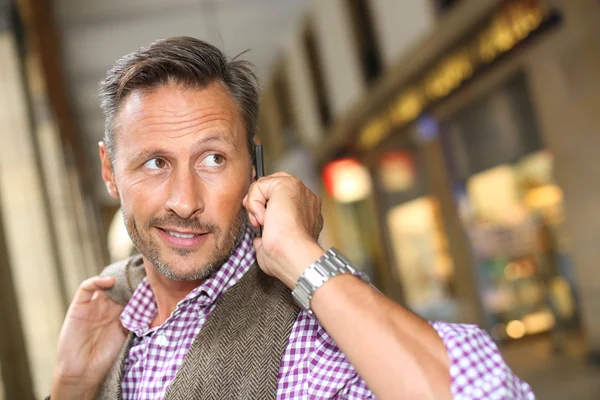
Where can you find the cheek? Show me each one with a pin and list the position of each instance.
(227, 202)
(140, 198)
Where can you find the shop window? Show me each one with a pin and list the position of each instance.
(364, 38)
(423, 259)
(512, 212)
(316, 72)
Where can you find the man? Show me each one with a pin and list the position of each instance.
(195, 317)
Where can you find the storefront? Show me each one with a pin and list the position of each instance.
(511, 209)
(471, 218)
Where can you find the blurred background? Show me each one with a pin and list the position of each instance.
(454, 143)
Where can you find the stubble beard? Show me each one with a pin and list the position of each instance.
(225, 244)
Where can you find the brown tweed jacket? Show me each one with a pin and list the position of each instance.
(237, 353)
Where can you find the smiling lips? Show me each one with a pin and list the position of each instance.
(185, 240)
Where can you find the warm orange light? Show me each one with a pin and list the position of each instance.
(540, 321)
(544, 197)
(516, 329)
(347, 180)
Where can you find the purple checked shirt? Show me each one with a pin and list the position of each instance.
(312, 366)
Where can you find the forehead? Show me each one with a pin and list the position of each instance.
(175, 111)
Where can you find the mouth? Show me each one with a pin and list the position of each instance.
(182, 239)
(183, 235)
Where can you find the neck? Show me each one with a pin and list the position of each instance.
(167, 292)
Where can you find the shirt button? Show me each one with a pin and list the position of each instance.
(161, 340)
(200, 314)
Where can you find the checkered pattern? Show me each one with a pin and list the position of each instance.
(312, 366)
(476, 366)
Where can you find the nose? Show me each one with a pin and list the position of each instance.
(185, 197)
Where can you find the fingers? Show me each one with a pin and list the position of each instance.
(298, 195)
(90, 286)
(257, 197)
(254, 207)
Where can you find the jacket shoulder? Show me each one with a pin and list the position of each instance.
(128, 274)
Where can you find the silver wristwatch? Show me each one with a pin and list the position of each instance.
(330, 264)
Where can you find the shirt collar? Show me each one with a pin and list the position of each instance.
(141, 308)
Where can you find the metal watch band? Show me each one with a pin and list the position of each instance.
(330, 264)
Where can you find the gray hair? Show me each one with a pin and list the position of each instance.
(186, 61)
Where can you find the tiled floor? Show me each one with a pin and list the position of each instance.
(554, 376)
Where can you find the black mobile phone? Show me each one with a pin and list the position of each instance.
(258, 161)
(260, 167)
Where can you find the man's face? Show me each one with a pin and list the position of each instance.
(181, 170)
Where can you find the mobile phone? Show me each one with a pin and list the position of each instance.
(258, 161)
(260, 167)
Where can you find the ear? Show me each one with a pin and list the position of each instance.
(254, 160)
(107, 172)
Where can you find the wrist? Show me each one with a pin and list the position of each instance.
(70, 389)
(301, 255)
(71, 393)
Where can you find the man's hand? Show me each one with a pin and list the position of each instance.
(290, 215)
(89, 342)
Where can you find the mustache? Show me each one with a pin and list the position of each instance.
(175, 221)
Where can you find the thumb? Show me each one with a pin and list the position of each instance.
(90, 286)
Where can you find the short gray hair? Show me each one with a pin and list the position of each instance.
(186, 61)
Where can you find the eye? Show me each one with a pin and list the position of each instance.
(213, 160)
(155, 163)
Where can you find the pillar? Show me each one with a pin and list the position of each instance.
(24, 223)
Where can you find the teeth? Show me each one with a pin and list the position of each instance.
(182, 235)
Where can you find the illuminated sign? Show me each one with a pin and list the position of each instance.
(347, 180)
(513, 24)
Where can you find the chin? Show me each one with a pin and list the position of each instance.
(181, 266)
(187, 274)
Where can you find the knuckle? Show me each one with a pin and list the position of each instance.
(88, 282)
(253, 191)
